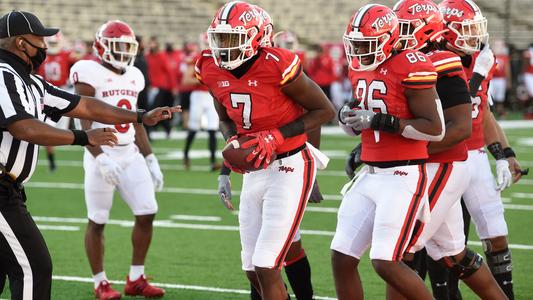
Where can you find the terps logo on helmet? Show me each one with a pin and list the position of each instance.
(448, 11)
(420, 7)
(248, 16)
(381, 21)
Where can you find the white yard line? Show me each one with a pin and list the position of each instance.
(58, 228)
(196, 218)
(233, 228)
(173, 286)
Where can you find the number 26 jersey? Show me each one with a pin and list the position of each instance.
(383, 90)
(255, 102)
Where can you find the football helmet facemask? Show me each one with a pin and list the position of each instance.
(370, 37)
(235, 34)
(467, 25)
(115, 44)
(420, 22)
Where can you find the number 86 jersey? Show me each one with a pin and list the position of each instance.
(383, 90)
(114, 89)
(255, 102)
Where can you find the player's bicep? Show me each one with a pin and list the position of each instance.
(423, 103)
(306, 93)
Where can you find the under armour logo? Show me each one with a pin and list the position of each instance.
(108, 80)
(252, 82)
(269, 138)
(132, 82)
(441, 284)
(383, 71)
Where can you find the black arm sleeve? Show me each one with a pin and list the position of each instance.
(475, 83)
(452, 91)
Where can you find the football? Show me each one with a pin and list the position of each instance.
(235, 155)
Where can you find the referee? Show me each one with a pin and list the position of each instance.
(26, 101)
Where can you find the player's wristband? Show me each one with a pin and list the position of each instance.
(496, 150)
(385, 122)
(140, 114)
(508, 152)
(80, 138)
(225, 170)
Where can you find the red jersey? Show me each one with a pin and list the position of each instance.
(255, 101)
(322, 70)
(528, 55)
(160, 71)
(192, 62)
(448, 64)
(383, 90)
(502, 64)
(479, 106)
(56, 68)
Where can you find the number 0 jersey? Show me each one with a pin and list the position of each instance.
(114, 89)
(479, 105)
(383, 90)
(255, 102)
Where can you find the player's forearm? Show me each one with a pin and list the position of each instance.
(501, 134)
(490, 131)
(93, 109)
(39, 133)
(313, 137)
(94, 150)
(458, 128)
(310, 121)
(227, 128)
(141, 140)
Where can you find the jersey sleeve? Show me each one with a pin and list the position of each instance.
(139, 78)
(57, 102)
(287, 62)
(447, 64)
(206, 54)
(12, 102)
(82, 72)
(417, 70)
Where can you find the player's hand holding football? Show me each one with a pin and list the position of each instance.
(224, 191)
(159, 114)
(504, 178)
(155, 171)
(359, 119)
(109, 169)
(266, 142)
(484, 61)
(102, 136)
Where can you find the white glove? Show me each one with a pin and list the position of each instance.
(109, 169)
(484, 61)
(155, 171)
(504, 178)
(224, 191)
(362, 119)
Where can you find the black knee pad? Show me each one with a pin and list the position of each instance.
(499, 262)
(470, 263)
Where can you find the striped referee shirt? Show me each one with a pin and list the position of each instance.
(25, 96)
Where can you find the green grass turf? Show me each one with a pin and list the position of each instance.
(211, 258)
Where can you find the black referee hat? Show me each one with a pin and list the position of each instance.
(21, 22)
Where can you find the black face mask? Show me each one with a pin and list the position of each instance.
(38, 58)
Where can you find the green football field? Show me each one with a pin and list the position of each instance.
(195, 252)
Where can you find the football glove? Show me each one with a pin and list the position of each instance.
(155, 171)
(353, 161)
(359, 120)
(316, 196)
(109, 169)
(484, 61)
(504, 178)
(224, 191)
(266, 142)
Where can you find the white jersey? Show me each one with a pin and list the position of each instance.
(119, 90)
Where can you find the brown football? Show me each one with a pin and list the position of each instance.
(235, 155)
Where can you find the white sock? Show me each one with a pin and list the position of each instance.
(99, 278)
(136, 272)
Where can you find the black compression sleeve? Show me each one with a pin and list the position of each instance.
(452, 91)
(475, 83)
(294, 128)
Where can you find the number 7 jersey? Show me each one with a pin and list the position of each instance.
(114, 89)
(383, 90)
(255, 102)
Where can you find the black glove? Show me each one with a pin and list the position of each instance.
(353, 161)
(315, 196)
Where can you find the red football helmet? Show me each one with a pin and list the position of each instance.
(115, 44)
(235, 34)
(420, 22)
(268, 27)
(467, 26)
(370, 37)
(286, 39)
(55, 43)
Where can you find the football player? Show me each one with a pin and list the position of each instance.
(201, 103)
(55, 69)
(448, 174)
(262, 92)
(467, 30)
(397, 115)
(131, 167)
